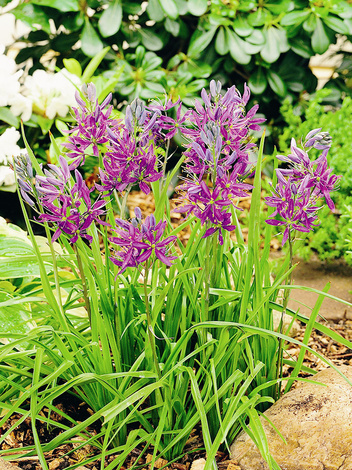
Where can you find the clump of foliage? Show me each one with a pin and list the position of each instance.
(155, 340)
(167, 45)
(329, 239)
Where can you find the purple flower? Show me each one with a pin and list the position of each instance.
(140, 242)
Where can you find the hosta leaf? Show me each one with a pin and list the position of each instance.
(276, 83)
(236, 47)
(221, 45)
(110, 21)
(336, 24)
(91, 42)
(197, 7)
(257, 82)
(320, 40)
(13, 318)
(170, 8)
(271, 49)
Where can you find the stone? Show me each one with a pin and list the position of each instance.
(4, 465)
(315, 420)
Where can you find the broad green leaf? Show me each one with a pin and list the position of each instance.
(61, 5)
(73, 66)
(151, 40)
(197, 7)
(91, 42)
(342, 8)
(154, 10)
(242, 27)
(94, 64)
(221, 45)
(110, 21)
(45, 124)
(170, 8)
(61, 126)
(257, 82)
(252, 48)
(199, 42)
(7, 116)
(276, 83)
(320, 40)
(259, 17)
(294, 17)
(236, 47)
(336, 25)
(13, 318)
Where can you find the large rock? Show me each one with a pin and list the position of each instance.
(316, 422)
(4, 465)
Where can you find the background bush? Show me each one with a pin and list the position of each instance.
(175, 45)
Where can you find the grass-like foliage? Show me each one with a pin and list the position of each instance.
(156, 337)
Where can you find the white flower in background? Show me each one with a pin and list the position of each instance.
(8, 148)
(9, 76)
(21, 106)
(51, 94)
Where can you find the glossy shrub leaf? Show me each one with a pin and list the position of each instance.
(271, 49)
(61, 5)
(7, 116)
(256, 37)
(259, 17)
(110, 21)
(300, 47)
(258, 82)
(221, 45)
(294, 17)
(336, 24)
(197, 7)
(170, 8)
(32, 15)
(91, 42)
(172, 26)
(151, 40)
(343, 9)
(73, 66)
(236, 47)
(199, 42)
(310, 24)
(252, 48)
(320, 39)
(276, 83)
(155, 10)
(242, 27)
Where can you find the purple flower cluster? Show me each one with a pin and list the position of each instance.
(140, 241)
(93, 121)
(66, 205)
(300, 187)
(132, 156)
(218, 153)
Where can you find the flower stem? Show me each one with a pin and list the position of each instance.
(283, 313)
(84, 284)
(207, 281)
(124, 201)
(151, 336)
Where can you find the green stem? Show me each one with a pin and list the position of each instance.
(151, 336)
(124, 201)
(283, 313)
(207, 281)
(84, 284)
